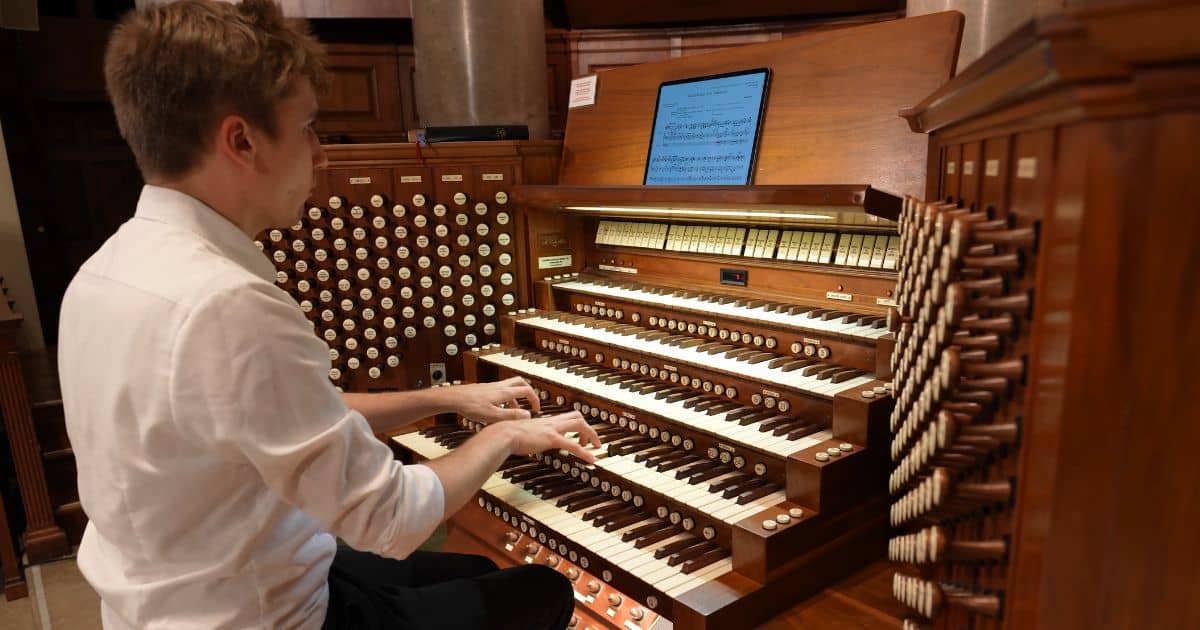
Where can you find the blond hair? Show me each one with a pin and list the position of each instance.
(174, 71)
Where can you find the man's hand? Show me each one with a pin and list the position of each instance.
(543, 434)
(492, 402)
(463, 470)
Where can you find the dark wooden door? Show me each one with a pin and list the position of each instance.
(75, 179)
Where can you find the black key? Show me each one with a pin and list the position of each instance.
(604, 509)
(676, 462)
(684, 395)
(707, 402)
(671, 549)
(645, 530)
(694, 551)
(653, 453)
(562, 491)
(723, 407)
(813, 369)
(703, 560)
(707, 464)
(759, 357)
(828, 373)
(788, 427)
(846, 375)
(796, 365)
(755, 494)
(739, 352)
(758, 416)
(750, 484)
(579, 495)
(576, 504)
(742, 413)
(507, 474)
(729, 482)
(705, 475)
(657, 536)
(624, 521)
(803, 431)
(673, 389)
(770, 423)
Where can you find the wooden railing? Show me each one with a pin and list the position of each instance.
(43, 538)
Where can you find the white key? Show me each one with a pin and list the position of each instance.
(608, 545)
(794, 379)
(581, 534)
(802, 320)
(675, 411)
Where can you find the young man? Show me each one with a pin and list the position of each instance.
(216, 461)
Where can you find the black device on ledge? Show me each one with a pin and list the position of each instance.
(736, 277)
(476, 132)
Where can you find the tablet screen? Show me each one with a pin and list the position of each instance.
(706, 130)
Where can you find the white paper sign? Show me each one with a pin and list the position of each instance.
(583, 92)
(554, 262)
(1027, 168)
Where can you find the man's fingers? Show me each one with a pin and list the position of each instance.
(521, 389)
(562, 421)
(573, 421)
(574, 448)
(592, 437)
(512, 414)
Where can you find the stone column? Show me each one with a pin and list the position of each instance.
(481, 62)
(987, 21)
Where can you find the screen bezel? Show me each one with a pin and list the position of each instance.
(758, 123)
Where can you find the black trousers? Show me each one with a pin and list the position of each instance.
(439, 591)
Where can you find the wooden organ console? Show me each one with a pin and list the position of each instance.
(730, 344)
(990, 387)
(737, 474)
(1044, 475)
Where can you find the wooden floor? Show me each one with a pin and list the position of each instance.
(861, 602)
(59, 599)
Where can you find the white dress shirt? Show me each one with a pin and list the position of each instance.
(216, 460)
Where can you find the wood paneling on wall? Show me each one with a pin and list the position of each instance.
(616, 13)
(374, 96)
(371, 96)
(332, 8)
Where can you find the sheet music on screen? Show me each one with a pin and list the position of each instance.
(706, 130)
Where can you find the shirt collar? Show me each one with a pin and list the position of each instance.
(178, 209)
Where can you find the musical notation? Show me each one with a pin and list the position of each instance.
(705, 131)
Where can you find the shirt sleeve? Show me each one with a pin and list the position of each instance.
(250, 379)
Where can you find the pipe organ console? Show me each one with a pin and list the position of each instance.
(734, 346)
(744, 430)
